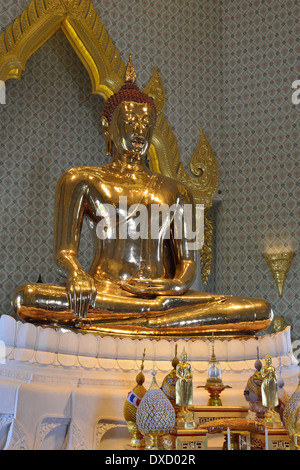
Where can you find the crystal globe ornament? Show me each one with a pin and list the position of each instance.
(155, 416)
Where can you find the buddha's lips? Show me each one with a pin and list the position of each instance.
(138, 141)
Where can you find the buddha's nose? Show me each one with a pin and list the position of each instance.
(138, 128)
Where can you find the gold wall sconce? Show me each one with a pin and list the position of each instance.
(279, 265)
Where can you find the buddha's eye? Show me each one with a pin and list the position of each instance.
(130, 118)
(146, 122)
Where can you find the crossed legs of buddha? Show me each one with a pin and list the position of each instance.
(116, 309)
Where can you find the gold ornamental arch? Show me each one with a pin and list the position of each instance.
(88, 37)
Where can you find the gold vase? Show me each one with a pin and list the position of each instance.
(279, 265)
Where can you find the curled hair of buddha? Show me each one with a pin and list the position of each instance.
(128, 92)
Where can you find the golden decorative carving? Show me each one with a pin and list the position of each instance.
(84, 30)
(203, 165)
(155, 89)
(206, 250)
(90, 40)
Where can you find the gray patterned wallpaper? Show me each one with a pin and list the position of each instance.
(227, 67)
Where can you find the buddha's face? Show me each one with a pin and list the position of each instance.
(132, 128)
(184, 358)
(268, 361)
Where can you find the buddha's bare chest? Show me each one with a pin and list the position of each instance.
(128, 196)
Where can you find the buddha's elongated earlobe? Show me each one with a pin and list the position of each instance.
(105, 125)
(108, 144)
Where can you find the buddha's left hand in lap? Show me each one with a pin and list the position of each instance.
(178, 285)
(149, 287)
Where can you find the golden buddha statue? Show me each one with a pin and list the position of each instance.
(184, 384)
(269, 389)
(137, 285)
(184, 393)
(269, 393)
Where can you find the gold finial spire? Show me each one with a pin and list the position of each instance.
(130, 75)
(175, 360)
(143, 360)
(140, 378)
(213, 355)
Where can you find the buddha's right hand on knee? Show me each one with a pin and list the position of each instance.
(81, 292)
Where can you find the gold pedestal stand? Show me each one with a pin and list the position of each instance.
(193, 439)
(272, 419)
(214, 387)
(204, 414)
(278, 439)
(214, 394)
(137, 440)
(185, 419)
(155, 442)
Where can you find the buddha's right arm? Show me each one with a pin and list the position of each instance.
(68, 216)
(69, 212)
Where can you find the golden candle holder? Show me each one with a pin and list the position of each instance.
(214, 389)
(214, 384)
(279, 265)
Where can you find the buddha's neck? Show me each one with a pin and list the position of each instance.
(133, 162)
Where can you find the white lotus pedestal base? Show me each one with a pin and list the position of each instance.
(62, 390)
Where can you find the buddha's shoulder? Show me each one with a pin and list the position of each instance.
(176, 186)
(83, 172)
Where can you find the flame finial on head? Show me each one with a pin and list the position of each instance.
(130, 75)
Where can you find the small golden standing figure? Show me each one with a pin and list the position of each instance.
(184, 393)
(269, 393)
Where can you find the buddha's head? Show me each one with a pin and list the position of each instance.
(129, 118)
(268, 359)
(184, 356)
